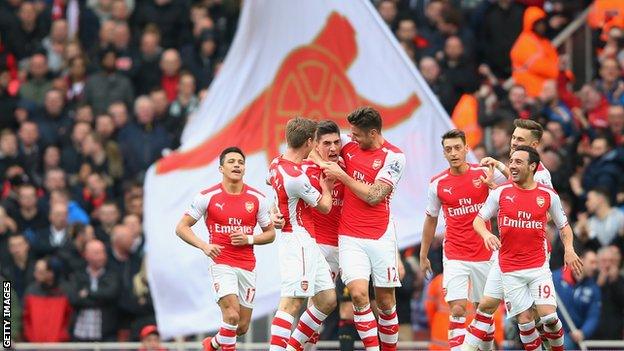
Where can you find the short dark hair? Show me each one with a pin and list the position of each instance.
(535, 128)
(604, 192)
(454, 134)
(299, 130)
(326, 127)
(534, 156)
(229, 150)
(365, 118)
(608, 137)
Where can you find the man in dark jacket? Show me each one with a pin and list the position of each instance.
(47, 311)
(604, 170)
(611, 282)
(581, 297)
(93, 294)
(108, 86)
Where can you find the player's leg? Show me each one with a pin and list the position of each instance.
(479, 272)
(481, 331)
(543, 292)
(518, 295)
(295, 287)
(455, 284)
(383, 254)
(246, 295)
(323, 301)
(356, 268)
(225, 288)
(244, 320)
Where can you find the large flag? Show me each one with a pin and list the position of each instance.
(318, 59)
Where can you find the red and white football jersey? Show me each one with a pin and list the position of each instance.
(325, 225)
(385, 164)
(461, 197)
(225, 214)
(296, 197)
(543, 176)
(522, 217)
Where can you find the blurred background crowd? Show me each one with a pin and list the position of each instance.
(92, 92)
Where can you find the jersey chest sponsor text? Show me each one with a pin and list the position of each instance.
(466, 206)
(522, 220)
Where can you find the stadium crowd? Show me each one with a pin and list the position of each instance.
(94, 91)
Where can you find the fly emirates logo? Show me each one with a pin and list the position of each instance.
(360, 177)
(465, 207)
(523, 221)
(234, 225)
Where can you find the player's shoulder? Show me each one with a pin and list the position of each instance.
(505, 187)
(475, 167)
(545, 188)
(254, 192)
(215, 189)
(438, 177)
(391, 148)
(289, 168)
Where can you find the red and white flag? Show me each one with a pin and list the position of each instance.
(318, 59)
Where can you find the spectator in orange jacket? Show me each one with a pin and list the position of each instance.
(47, 310)
(533, 57)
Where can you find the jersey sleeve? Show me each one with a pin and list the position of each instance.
(345, 139)
(490, 207)
(544, 178)
(556, 211)
(198, 207)
(433, 201)
(262, 217)
(499, 177)
(392, 169)
(301, 187)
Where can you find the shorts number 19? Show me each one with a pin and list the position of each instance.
(544, 291)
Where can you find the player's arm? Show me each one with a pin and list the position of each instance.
(324, 204)
(489, 210)
(429, 227)
(263, 218)
(489, 161)
(570, 257)
(185, 232)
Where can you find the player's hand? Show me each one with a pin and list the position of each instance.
(332, 170)
(577, 335)
(425, 266)
(572, 261)
(489, 178)
(212, 250)
(491, 242)
(238, 239)
(277, 219)
(400, 269)
(488, 161)
(327, 182)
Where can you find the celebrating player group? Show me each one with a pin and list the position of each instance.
(332, 204)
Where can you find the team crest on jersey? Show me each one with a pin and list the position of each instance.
(477, 182)
(508, 306)
(540, 201)
(216, 287)
(249, 206)
(304, 285)
(376, 164)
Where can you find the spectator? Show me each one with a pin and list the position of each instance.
(161, 105)
(430, 70)
(502, 23)
(84, 113)
(83, 23)
(21, 267)
(30, 147)
(54, 123)
(51, 158)
(150, 339)
(120, 11)
(516, 105)
(76, 79)
(7, 228)
(9, 151)
(170, 65)
(108, 86)
(72, 255)
(148, 70)
(75, 213)
(47, 310)
(407, 33)
(133, 222)
(604, 169)
(605, 223)
(25, 36)
(460, 72)
(143, 141)
(388, 11)
(533, 57)
(201, 57)
(98, 158)
(126, 54)
(93, 294)
(595, 106)
(54, 45)
(38, 83)
(554, 109)
(610, 83)
(8, 99)
(581, 297)
(171, 16)
(179, 111)
(105, 40)
(611, 283)
(615, 115)
(71, 156)
(94, 193)
(450, 24)
(501, 138)
(105, 128)
(108, 216)
(28, 215)
(49, 241)
(119, 111)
